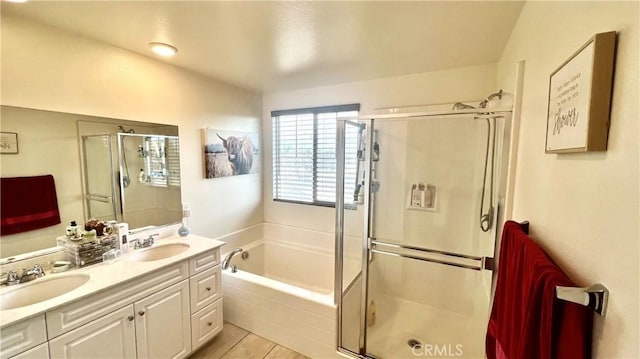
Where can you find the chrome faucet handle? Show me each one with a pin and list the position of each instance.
(151, 239)
(37, 270)
(9, 278)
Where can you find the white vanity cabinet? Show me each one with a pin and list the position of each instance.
(205, 286)
(41, 351)
(156, 326)
(162, 323)
(22, 336)
(112, 336)
(167, 313)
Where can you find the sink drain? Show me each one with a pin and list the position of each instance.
(414, 343)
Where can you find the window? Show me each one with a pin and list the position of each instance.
(304, 154)
(162, 161)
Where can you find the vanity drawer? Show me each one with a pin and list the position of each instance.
(71, 316)
(205, 288)
(22, 336)
(204, 261)
(205, 324)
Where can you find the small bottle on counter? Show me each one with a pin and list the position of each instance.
(142, 177)
(72, 230)
(123, 240)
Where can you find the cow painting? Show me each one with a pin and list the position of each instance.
(230, 153)
(239, 153)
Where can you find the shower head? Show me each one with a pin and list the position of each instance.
(485, 102)
(461, 106)
(122, 130)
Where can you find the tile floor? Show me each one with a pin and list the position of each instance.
(236, 343)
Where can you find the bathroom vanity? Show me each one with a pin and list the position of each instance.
(164, 301)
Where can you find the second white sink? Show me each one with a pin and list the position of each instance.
(160, 251)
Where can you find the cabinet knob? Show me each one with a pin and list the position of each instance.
(141, 313)
(131, 317)
(209, 323)
(208, 288)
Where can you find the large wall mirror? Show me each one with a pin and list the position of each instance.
(102, 168)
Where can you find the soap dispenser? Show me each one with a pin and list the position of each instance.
(183, 231)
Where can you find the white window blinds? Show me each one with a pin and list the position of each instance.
(162, 161)
(304, 154)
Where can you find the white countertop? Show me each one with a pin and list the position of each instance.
(105, 275)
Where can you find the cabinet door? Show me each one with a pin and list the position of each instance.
(162, 323)
(22, 336)
(112, 336)
(39, 352)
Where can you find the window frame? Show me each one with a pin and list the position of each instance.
(300, 111)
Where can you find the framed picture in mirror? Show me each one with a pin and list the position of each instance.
(8, 143)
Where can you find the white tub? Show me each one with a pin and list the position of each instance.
(284, 292)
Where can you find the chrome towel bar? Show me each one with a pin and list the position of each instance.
(595, 297)
(459, 265)
(480, 262)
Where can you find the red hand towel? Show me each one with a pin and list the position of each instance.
(28, 203)
(527, 321)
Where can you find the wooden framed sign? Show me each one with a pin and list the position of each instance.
(580, 98)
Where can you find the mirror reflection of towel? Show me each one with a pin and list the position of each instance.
(28, 203)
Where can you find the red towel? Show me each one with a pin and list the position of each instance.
(527, 321)
(28, 203)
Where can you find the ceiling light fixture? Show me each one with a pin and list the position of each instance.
(162, 49)
(18, 1)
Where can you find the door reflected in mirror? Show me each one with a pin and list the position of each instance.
(103, 168)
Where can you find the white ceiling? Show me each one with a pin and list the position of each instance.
(270, 46)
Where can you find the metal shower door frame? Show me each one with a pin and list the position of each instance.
(339, 234)
(98, 197)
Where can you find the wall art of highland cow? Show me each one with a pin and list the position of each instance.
(230, 153)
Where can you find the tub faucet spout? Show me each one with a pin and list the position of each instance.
(227, 259)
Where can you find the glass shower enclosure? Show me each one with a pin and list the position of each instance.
(133, 178)
(415, 233)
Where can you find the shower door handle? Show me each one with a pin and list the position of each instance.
(99, 197)
(480, 262)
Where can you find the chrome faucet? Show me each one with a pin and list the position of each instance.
(31, 274)
(146, 242)
(27, 275)
(9, 278)
(227, 259)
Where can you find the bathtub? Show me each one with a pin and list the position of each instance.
(283, 291)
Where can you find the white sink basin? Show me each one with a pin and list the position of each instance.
(40, 290)
(160, 251)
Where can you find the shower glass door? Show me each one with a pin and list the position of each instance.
(427, 229)
(150, 179)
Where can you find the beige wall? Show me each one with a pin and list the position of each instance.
(583, 208)
(464, 84)
(45, 68)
